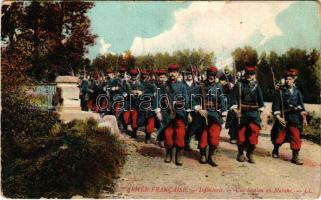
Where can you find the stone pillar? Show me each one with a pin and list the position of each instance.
(68, 91)
(69, 105)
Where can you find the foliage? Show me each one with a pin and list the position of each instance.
(308, 64)
(313, 131)
(185, 58)
(244, 57)
(53, 35)
(103, 62)
(42, 157)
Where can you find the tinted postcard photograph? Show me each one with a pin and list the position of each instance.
(160, 99)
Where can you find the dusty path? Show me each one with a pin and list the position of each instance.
(145, 175)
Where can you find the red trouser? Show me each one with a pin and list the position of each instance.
(133, 115)
(254, 136)
(90, 104)
(101, 105)
(211, 133)
(150, 126)
(117, 108)
(295, 139)
(175, 137)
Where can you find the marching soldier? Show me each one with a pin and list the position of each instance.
(291, 117)
(174, 132)
(84, 96)
(122, 73)
(211, 114)
(102, 99)
(149, 95)
(248, 104)
(93, 91)
(231, 119)
(194, 121)
(116, 90)
(161, 77)
(161, 114)
(131, 114)
(111, 89)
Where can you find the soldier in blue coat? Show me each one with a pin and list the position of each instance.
(116, 91)
(226, 80)
(148, 104)
(174, 132)
(194, 120)
(214, 105)
(162, 116)
(248, 104)
(132, 103)
(291, 117)
(84, 96)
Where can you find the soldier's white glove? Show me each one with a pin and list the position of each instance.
(189, 118)
(125, 94)
(139, 93)
(236, 111)
(203, 113)
(281, 120)
(159, 114)
(197, 108)
(115, 88)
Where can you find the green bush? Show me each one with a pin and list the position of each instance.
(313, 131)
(42, 157)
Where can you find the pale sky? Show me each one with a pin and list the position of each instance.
(151, 27)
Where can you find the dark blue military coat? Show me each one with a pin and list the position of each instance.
(293, 105)
(251, 95)
(177, 92)
(148, 99)
(215, 101)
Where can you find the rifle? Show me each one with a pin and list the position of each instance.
(170, 106)
(227, 81)
(202, 91)
(118, 80)
(280, 92)
(240, 103)
(239, 85)
(85, 75)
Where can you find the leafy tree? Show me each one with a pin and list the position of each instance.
(128, 60)
(307, 63)
(103, 62)
(56, 34)
(146, 61)
(244, 56)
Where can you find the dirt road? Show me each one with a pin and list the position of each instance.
(145, 175)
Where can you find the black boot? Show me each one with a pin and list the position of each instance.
(134, 133)
(211, 156)
(169, 155)
(275, 152)
(203, 155)
(295, 157)
(240, 156)
(187, 146)
(147, 138)
(249, 153)
(179, 156)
